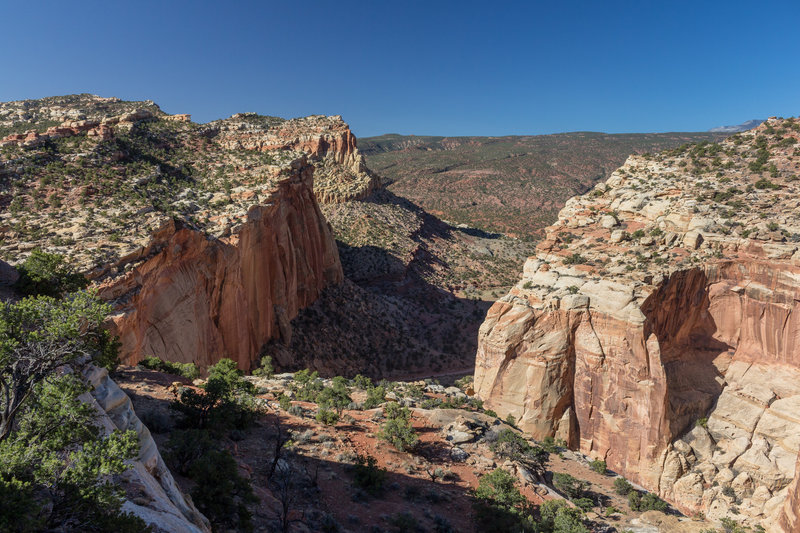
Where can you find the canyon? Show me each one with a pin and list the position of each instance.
(657, 328)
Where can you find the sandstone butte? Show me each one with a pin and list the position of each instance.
(206, 238)
(658, 328)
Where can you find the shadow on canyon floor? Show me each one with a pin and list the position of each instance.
(387, 319)
(314, 480)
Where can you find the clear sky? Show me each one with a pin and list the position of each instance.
(438, 68)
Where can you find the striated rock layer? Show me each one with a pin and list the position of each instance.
(196, 298)
(151, 491)
(341, 175)
(658, 328)
(207, 239)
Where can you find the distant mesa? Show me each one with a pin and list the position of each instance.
(744, 126)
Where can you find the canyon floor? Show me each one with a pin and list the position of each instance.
(322, 458)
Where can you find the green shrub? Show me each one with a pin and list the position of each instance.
(511, 421)
(454, 402)
(729, 525)
(489, 412)
(702, 422)
(375, 397)
(284, 401)
(367, 475)
(511, 445)
(361, 382)
(336, 396)
(646, 502)
(187, 370)
(552, 445)
(186, 447)
(622, 487)
(585, 504)
(226, 400)
(307, 385)
(326, 415)
(598, 466)
(764, 183)
(37, 336)
(569, 485)
(44, 274)
(558, 517)
(431, 403)
(105, 348)
(56, 466)
(220, 492)
(404, 522)
(575, 259)
(499, 505)
(465, 382)
(397, 429)
(265, 369)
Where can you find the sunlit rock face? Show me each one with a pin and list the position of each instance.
(658, 328)
(198, 298)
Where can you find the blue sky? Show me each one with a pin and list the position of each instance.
(439, 68)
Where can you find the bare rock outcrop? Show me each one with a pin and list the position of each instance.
(341, 172)
(207, 239)
(658, 327)
(151, 491)
(198, 298)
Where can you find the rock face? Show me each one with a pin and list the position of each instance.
(152, 493)
(198, 298)
(341, 172)
(790, 520)
(672, 349)
(207, 239)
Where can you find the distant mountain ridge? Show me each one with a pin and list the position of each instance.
(511, 184)
(744, 126)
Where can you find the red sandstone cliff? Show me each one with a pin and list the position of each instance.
(198, 298)
(790, 520)
(207, 239)
(647, 311)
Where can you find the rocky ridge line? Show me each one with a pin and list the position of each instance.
(341, 174)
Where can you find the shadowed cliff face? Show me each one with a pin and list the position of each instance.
(672, 349)
(199, 299)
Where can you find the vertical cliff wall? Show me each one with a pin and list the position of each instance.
(661, 332)
(194, 297)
